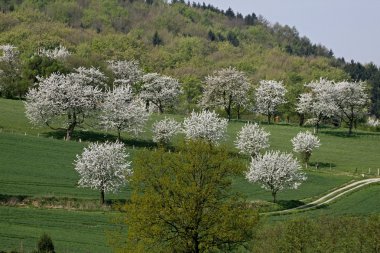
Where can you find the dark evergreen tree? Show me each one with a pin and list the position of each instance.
(230, 13)
(156, 40)
(45, 244)
(232, 38)
(211, 36)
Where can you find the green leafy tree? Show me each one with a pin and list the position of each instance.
(182, 202)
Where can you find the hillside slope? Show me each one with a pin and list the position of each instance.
(187, 41)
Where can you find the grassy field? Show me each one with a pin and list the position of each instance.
(71, 231)
(37, 163)
(362, 202)
(338, 152)
(37, 166)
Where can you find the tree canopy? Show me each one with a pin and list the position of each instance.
(182, 202)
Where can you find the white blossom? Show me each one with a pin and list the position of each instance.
(205, 125)
(60, 52)
(122, 111)
(91, 76)
(9, 54)
(125, 72)
(269, 95)
(62, 99)
(319, 102)
(252, 139)
(351, 99)
(304, 143)
(164, 130)
(162, 91)
(227, 88)
(275, 171)
(103, 166)
(373, 122)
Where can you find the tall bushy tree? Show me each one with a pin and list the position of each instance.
(252, 139)
(351, 99)
(227, 88)
(205, 125)
(319, 102)
(104, 167)
(183, 202)
(275, 171)
(164, 130)
(64, 100)
(10, 72)
(162, 91)
(304, 143)
(122, 111)
(268, 96)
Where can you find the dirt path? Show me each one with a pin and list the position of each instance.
(331, 196)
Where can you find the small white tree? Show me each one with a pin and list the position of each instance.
(125, 72)
(227, 88)
(275, 171)
(351, 99)
(64, 100)
(304, 143)
(162, 91)
(269, 95)
(104, 167)
(60, 52)
(164, 130)
(319, 102)
(373, 122)
(122, 111)
(9, 54)
(205, 125)
(252, 139)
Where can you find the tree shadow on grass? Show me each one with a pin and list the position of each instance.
(346, 135)
(91, 136)
(139, 143)
(321, 165)
(80, 135)
(288, 204)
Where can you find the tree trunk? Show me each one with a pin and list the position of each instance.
(102, 197)
(196, 244)
(73, 122)
(118, 134)
(238, 112)
(269, 116)
(274, 196)
(228, 110)
(350, 126)
(70, 131)
(302, 119)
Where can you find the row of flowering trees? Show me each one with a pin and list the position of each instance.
(65, 100)
(227, 89)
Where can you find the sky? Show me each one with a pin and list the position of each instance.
(351, 28)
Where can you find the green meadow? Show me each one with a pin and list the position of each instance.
(36, 164)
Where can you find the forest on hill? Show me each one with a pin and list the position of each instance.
(185, 40)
